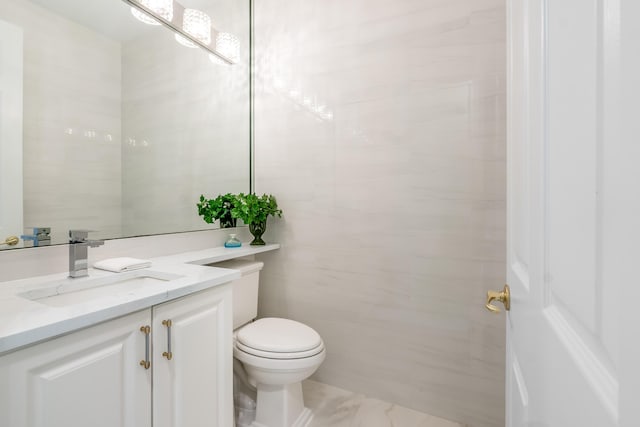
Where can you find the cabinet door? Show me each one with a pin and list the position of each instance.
(88, 378)
(194, 387)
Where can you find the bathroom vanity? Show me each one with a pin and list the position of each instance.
(149, 349)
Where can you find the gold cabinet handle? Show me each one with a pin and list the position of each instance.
(504, 297)
(146, 363)
(168, 354)
(10, 241)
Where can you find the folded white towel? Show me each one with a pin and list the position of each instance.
(122, 264)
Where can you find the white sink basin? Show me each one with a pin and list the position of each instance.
(69, 291)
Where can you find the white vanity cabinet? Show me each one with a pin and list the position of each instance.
(192, 361)
(96, 377)
(88, 378)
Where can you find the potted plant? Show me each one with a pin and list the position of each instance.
(219, 208)
(253, 210)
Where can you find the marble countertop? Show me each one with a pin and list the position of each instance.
(213, 255)
(24, 322)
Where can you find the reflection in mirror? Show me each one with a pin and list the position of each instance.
(120, 128)
(192, 27)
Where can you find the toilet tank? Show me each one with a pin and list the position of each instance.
(245, 289)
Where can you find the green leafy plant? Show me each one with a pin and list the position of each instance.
(253, 209)
(219, 208)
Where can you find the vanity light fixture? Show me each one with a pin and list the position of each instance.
(198, 25)
(192, 27)
(164, 9)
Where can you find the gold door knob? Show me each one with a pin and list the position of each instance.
(504, 297)
(10, 241)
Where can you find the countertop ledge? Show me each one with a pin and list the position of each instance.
(219, 254)
(24, 322)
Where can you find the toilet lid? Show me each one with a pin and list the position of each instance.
(274, 335)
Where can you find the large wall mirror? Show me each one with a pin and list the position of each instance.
(113, 124)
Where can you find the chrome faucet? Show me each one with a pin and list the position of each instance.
(78, 245)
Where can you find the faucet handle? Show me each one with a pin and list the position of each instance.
(77, 236)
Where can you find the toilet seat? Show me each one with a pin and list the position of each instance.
(282, 366)
(279, 355)
(276, 338)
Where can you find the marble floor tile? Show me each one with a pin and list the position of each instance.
(335, 407)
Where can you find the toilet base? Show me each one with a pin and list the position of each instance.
(281, 406)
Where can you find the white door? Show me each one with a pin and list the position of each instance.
(192, 361)
(10, 131)
(573, 218)
(88, 378)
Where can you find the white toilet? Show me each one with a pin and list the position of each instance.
(275, 355)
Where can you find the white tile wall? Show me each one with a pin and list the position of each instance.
(380, 128)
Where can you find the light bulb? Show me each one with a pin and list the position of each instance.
(163, 8)
(228, 46)
(198, 25)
